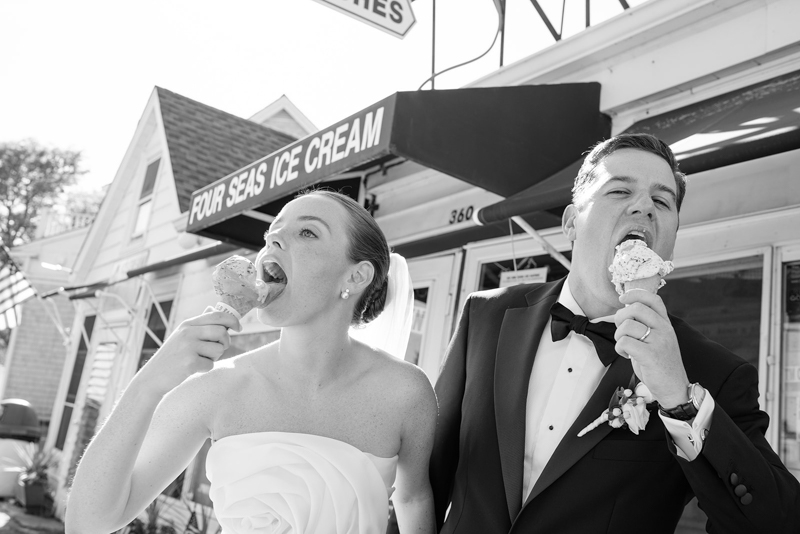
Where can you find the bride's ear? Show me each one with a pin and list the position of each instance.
(361, 276)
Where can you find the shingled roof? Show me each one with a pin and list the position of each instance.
(206, 144)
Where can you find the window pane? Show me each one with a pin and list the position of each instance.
(75, 381)
(80, 359)
(790, 402)
(66, 416)
(154, 323)
(142, 218)
(722, 300)
(417, 325)
(150, 178)
(491, 272)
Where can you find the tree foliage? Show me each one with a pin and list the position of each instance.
(32, 177)
(81, 199)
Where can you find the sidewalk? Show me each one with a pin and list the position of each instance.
(14, 520)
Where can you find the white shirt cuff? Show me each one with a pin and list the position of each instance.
(689, 436)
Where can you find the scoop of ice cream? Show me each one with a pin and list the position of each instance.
(235, 282)
(635, 266)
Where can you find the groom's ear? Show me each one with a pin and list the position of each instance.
(361, 276)
(568, 221)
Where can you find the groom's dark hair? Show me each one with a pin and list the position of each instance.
(367, 243)
(649, 143)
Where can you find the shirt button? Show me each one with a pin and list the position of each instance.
(550, 427)
(740, 490)
(746, 499)
(569, 370)
(734, 479)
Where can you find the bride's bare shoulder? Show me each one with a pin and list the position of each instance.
(227, 373)
(401, 379)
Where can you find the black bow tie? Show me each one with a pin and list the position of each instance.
(601, 334)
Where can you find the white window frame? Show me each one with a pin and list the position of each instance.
(438, 273)
(500, 249)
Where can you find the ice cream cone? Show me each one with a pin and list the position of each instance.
(240, 291)
(651, 284)
(240, 305)
(221, 306)
(635, 266)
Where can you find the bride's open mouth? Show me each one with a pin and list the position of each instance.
(275, 278)
(273, 273)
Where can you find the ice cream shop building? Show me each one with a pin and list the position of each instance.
(469, 185)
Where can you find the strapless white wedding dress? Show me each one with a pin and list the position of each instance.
(288, 483)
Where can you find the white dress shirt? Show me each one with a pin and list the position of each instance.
(565, 374)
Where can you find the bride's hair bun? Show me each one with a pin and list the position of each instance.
(367, 243)
(373, 303)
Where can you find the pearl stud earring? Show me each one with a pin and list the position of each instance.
(345, 294)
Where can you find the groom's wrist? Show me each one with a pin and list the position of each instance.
(675, 399)
(686, 410)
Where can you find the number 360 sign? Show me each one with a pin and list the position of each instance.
(460, 215)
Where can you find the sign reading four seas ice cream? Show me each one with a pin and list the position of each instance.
(355, 140)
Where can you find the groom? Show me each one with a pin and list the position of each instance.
(513, 396)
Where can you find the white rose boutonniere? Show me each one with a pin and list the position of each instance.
(628, 407)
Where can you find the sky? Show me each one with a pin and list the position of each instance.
(77, 74)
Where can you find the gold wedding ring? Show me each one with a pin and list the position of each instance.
(645, 334)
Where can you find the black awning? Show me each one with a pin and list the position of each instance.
(754, 122)
(550, 195)
(502, 139)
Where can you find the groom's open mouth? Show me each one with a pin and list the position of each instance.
(640, 235)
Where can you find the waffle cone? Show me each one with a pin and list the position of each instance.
(238, 305)
(651, 284)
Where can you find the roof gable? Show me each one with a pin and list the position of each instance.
(284, 116)
(206, 144)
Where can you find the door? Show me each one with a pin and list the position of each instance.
(434, 282)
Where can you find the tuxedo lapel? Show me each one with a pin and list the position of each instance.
(572, 448)
(516, 348)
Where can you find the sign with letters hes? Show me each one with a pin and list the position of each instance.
(392, 16)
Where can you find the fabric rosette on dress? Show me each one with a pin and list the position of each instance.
(281, 483)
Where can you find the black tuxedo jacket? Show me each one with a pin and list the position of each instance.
(610, 480)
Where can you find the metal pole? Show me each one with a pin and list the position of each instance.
(539, 239)
(433, 49)
(502, 31)
(588, 15)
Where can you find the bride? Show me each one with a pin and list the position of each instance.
(309, 432)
